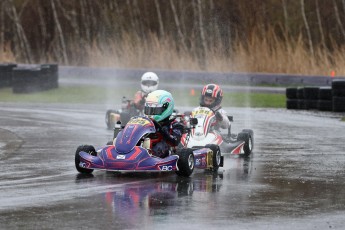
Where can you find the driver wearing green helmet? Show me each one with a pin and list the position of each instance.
(159, 107)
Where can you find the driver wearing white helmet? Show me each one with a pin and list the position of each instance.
(149, 83)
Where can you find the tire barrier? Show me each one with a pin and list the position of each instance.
(318, 98)
(325, 99)
(29, 79)
(338, 93)
(6, 74)
(311, 96)
(292, 98)
(50, 74)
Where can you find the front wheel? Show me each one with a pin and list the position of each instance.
(185, 162)
(109, 121)
(84, 148)
(216, 157)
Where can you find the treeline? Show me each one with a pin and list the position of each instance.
(69, 31)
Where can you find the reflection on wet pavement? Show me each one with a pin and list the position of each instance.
(294, 178)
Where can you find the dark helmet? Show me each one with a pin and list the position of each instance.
(213, 91)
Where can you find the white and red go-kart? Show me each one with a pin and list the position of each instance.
(204, 133)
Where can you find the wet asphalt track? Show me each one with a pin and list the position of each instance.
(294, 180)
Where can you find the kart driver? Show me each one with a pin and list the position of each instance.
(149, 83)
(211, 97)
(159, 107)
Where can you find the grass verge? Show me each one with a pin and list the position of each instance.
(98, 95)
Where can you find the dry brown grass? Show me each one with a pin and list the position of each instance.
(265, 55)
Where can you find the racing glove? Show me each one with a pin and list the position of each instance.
(165, 131)
(219, 116)
(168, 137)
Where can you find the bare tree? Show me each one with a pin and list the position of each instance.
(160, 21)
(43, 31)
(84, 18)
(94, 20)
(23, 7)
(60, 33)
(23, 42)
(178, 27)
(137, 16)
(286, 19)
(202, 36)
(337, 16)
(71, 16)
(307, 28)
(323, 42)
(131, 15)
(343, 5)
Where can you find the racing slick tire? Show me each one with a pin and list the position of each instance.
(88, 149)
(251, 133)
(247, 135)
(185, 162)
(217, 156)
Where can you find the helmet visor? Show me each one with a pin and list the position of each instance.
(149, 83)
(154, 110)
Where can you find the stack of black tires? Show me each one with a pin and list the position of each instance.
(29, 79)
(338, 92)
(317, 98)
(6, 74)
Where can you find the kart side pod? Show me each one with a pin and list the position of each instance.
(206, 158)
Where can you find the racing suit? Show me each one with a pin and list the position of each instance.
(166, 138)
(139, 100)
(222, 120)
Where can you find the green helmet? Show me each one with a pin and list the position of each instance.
(159, 105)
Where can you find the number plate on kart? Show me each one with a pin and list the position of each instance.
(201, 112)
(139, 121)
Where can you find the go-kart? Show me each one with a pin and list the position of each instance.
(205, 133)
(122, 115)
(131, 152)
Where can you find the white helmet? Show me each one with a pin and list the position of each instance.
(149, 82)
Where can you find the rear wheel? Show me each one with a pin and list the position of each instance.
(247, 136)
(88, 149)
(216, 158)
(251, 133)
(185, 162)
